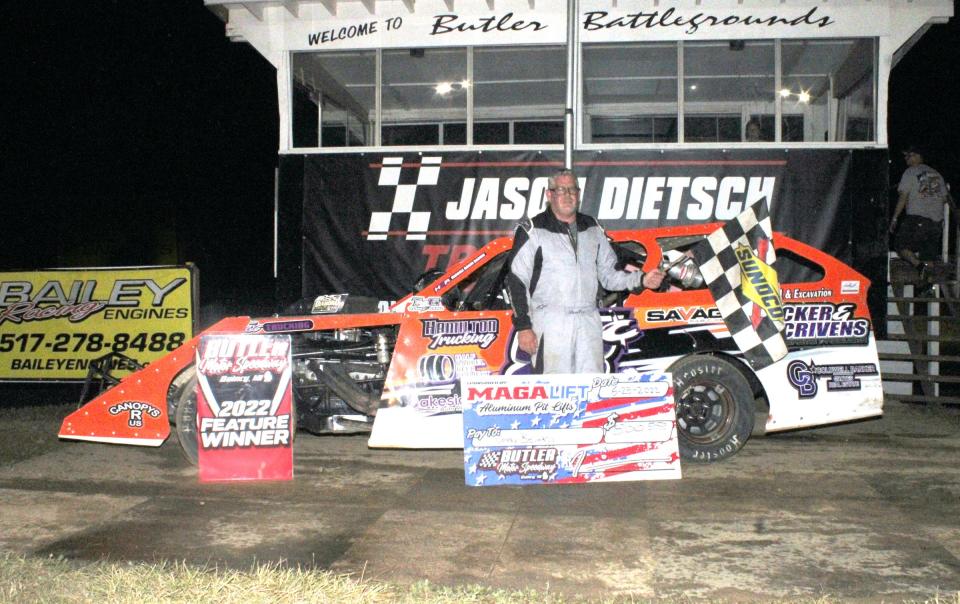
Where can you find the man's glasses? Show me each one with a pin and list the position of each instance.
(572, 191)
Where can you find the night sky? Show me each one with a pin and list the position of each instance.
(137, 133)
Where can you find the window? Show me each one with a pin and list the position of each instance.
(722, 80)
(337, 90)
(824, 76)
(524, 85)
(630, 93)
(420, 87)
(729, 91)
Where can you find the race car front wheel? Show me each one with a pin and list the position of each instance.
(714, 408)
(186, 419)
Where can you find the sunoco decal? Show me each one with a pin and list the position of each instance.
(803, 376)
(54, 323)
(758, 281)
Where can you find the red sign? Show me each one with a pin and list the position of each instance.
(244, 407)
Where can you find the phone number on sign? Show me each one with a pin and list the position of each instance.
(91, 342)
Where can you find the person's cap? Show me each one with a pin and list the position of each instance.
(917, 149)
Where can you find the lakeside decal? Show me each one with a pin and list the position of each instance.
(53, 323)
(803, 376)
(244, 407)
(521, 430)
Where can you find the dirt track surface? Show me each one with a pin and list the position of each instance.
(862, 511)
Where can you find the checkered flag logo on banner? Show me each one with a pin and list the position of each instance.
(736, 262)
(417, 222)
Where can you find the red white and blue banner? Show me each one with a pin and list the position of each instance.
(561, 429)
(244, 407)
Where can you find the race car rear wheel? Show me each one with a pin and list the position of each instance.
(186, 419)
(714, 408)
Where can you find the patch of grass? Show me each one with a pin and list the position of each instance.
(55, 580)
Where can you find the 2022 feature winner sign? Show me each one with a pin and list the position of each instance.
(561, 429)
(54, 322)
(245, 407)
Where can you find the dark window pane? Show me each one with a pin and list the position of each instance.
(455, 134)
(334, 136)
(791, 128)
(700, 129)
(528, 133)
(729, 129)
(413, 134)
(491, 133)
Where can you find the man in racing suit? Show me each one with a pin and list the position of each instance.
(559, 257)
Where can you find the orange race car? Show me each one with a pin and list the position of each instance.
(395, 374)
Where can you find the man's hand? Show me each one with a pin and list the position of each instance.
(653, 279)
(527, 341)
(893, 224)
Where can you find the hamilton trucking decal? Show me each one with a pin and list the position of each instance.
(460, 332)
(135, 411)
(823, 324)
(803, 376)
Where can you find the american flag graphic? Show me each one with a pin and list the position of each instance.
(622, 429)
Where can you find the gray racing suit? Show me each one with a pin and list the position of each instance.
(553, 283)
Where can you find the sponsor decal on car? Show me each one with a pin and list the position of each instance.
(849, 287)
(328, 304)
(824, 322)
(801, 294)
(460, 332)
(425, 304)
(134, 411)
(685, 314)
(803, 376)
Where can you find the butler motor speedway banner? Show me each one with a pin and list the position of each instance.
(370, 224)
(54, 323)
(244, 408)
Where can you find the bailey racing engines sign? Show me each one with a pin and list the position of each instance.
(244, 407)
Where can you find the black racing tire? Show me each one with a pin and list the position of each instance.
(186, 420)
(715, 408)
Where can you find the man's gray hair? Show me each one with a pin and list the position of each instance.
(552, 180)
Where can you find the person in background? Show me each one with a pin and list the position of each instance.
(751, 132)
(918, 217)
(560, 258)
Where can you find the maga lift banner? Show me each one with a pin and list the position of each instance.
(523, 429)
(54, 322)
(371, 224)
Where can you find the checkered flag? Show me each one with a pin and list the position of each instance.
(736, 262)
(417, 222)
(489, 460)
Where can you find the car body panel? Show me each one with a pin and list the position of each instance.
(831, 373)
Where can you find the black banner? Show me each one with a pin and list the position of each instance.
(372, 223)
